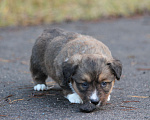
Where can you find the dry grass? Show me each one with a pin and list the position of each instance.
(33, 12)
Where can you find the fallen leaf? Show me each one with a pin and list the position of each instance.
(39, 95)
(143, 69)
(3, 115)
(131, 56)
(50, 94)
(51, 83)
(130, 101)
(125, 106)
(139, 96)
(24, 62)
(15, 100)
(24, 87)
(129, 109)
(4, 60)
(133, 63)
(8, 96)
(118, 88)
(26, 72)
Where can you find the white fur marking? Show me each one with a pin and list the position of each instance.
(66, 59)
(70, 85)
(74, 98)
(94, 95)
(83, 51)
(99, 103)
(108, 99)
(39, 87)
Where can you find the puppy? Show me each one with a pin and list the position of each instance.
(82, 66)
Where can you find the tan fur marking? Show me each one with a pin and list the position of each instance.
(76, 57)
(76, 89)
(102, 77)
(86, 77)
(105, 75)
(113, 82)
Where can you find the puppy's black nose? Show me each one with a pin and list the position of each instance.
(95, 102)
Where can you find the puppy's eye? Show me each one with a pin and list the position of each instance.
(85, 85)
(103, 84)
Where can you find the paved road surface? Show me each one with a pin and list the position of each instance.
(129, 41)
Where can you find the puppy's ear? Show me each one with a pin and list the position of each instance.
(70, 67)
(68, 71)
(116, 68)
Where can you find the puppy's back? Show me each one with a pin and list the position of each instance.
(47, 47)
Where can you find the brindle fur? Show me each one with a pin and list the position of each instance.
(71, 57)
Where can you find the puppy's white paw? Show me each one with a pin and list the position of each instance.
(74, 98)
(41, 87)
(108, 99)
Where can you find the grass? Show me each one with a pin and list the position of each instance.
(33, 12)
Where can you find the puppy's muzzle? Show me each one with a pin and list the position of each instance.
(94, 98)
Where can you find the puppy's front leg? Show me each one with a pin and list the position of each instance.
(40, 87)
(73, 97)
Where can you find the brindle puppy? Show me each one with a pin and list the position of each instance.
(82, 66)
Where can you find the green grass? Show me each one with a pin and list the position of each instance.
(33, 12)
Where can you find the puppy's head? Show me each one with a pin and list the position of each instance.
(92, 76)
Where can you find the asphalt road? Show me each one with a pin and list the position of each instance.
(129, 41)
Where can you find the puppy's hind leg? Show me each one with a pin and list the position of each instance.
(39, 78)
